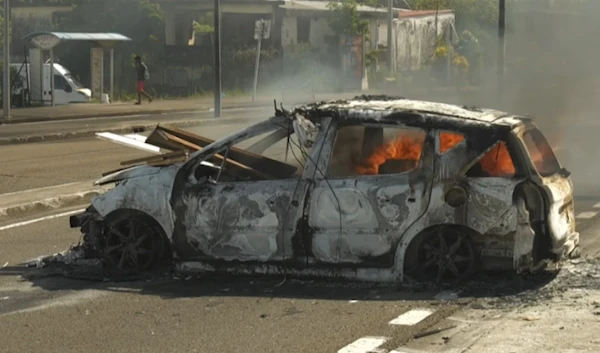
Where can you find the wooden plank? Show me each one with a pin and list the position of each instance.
(220, 157)
(158, 139)
(257, 162)
(156, 158)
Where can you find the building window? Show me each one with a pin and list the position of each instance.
(303, 29)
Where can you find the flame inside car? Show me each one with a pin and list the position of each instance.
(407, 147)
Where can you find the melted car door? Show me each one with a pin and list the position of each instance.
(377, 183)
(243, 220)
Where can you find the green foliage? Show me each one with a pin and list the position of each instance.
(344, 18)
(205, 24)
(247, 56)
(16, 85)
(468, 12)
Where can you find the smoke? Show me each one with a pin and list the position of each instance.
(551, 73)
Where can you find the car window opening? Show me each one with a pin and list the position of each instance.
(282, 158)
(496, 163)
(360, 150)
(542, 155)
(449, 140)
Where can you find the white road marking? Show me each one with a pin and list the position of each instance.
(31, 221)
(38, 189)
(587, 215)
(364, 345)
(597, 205)
(67, 300)
(411, 317)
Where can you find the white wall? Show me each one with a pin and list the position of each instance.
(289, 31)
(319, 31)
(414, 39)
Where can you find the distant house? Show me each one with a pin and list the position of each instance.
(415, 35)
(296, 22)
(27, 17)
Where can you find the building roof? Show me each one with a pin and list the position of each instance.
(421, 13)
(308, 5)
(80, 36)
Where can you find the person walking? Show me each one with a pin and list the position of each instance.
(142, 75)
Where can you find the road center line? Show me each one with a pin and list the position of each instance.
(32, 221)
(364, 345)
(38, 189)
(597, 205)
(587, 215)
(411, 317)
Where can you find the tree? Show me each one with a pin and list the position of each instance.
(344, 18)
(467, 12)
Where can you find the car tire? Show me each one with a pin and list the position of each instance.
(442, 254)
(132, 244)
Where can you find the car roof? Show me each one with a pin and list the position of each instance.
(371, 107)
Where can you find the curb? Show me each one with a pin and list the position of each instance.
(16, 121)
(119, 130)
(49, 204)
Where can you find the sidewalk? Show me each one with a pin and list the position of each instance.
(159, 106)
(28, 202)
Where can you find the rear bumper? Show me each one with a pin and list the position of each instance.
(567, 246)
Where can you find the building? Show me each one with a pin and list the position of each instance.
(300, 22)
(27, 17)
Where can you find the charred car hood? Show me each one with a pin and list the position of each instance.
(128, 173)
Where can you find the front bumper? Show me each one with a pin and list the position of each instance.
(78, 220)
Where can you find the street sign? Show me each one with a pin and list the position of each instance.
(262, 29)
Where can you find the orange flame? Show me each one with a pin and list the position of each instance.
(449, 140)
(497, 162)
(406, 147)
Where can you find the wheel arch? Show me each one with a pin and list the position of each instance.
(124, 213)
(537, 204)
(405, 248)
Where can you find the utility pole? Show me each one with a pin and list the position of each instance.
(390, 54)
(217, 65)
(6, 83)
(501, 46)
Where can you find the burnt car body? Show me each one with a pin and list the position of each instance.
(380, 189)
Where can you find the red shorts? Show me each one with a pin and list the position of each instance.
(140, 86)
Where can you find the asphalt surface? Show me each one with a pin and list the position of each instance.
(205, 314)
(36, 165)
(77, 125)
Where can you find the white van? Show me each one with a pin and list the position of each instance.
(66, 88)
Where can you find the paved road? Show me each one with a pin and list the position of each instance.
(54, 314)
(100, 123)
(35, 165)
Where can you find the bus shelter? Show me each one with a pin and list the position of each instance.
(47, 41)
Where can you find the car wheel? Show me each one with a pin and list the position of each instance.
(445, 254)
(132, 245)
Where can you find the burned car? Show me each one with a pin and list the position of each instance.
(373, 188)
